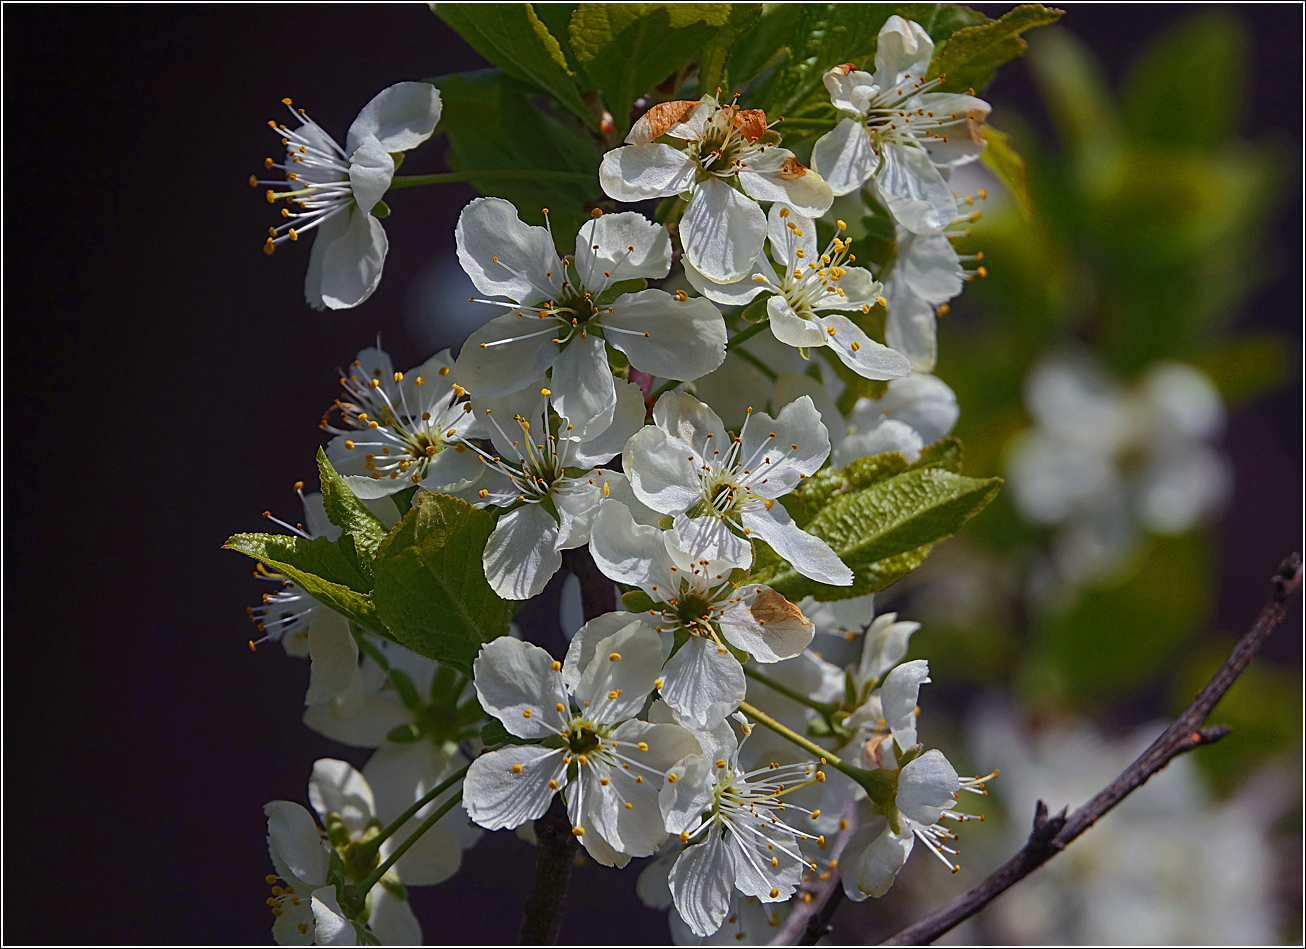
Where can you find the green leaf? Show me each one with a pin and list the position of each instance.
(346, 511)
(494, 734)
(712, 62)
(885, 530)
(950, 18)
(512, 149)
(763, 42)
(972, 55)
(431, 590)
(637, 601)
(513, 38)
(1186, 89)
(1006, 163)
(629, 48)
(320, 567)
(823, 36)
(946, 453)
(1074, 88)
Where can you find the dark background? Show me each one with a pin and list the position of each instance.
(163, 381)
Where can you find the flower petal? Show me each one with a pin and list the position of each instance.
(926, 787)
(522, 555)
(498, 795)
(582, 388)
(620, 674)
(809, 555)
(516, 683)
(294, 844)
(332, 927)
(701, 883)
(336, 786)
(875, 867)
(503, 256)
(860, 353)
(777, 175)
(601, 443)
(703, 682)
(785, 449)
(622, 246)
(910, 327)
(628, 552)
(845, 158)
(722, 231)
(581, 649)
(335, 657)
(636, 172)
(790, 328)
(902, 54)
(898, 699)
(392, 920)
(351, 260)
(913, 190)
(371, 170)
(661, 470)
(400, 117)
(663, 336)
(766, 625)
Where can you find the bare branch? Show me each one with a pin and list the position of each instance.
(810, 918)
(1051, 835)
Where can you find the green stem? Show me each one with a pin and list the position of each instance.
(745, 334)
(508, 174)
(762, 367)
(825, 708)
(785, 731)
(375, 876)
(393, 827)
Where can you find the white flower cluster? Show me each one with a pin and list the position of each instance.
(549, 419)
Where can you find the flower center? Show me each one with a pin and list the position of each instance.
(583, 738)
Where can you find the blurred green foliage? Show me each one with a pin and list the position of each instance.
(1142, 232)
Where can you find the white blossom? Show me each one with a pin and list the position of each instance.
(694, 602)
(543, 474)
(897, 133)
(402, 429)
(912, 413)
(586, 742)
(561, 311)
(926, 273)
(800, 284)
(1105, 461)
(307, 910)
(335, 190)
(725, 160)
(735, 824)
(725, 488)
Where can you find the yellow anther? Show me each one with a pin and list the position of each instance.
(721, 762)
(830, 330)
(642, 746)
(553, 785)
(614, 657)
(483, 493)
(606, 489)
(629, 806)
(657, 683)
(526, 713)
(784, 212)
(681, 296)
(841, 225)
(578, 831)
(546, 392)
(268, 247)
(671, 779)
(557, 666)
(604, 781)
(515, 769)
(820, 777)
(881, 301)
(774, 892)
(614, 693)
(775, 862)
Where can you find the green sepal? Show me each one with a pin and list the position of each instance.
(402, 734)
(494, 734)
(756, 311)
(404, 686)
(380, 210)
(608, 296)
(637, 601)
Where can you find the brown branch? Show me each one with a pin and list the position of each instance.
(1051, 835)
(556, 844)
(810, 918)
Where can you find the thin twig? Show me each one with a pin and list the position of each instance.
(810, 918)
(1051, 835)
(556, 844)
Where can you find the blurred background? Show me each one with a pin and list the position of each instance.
(1150, 291)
